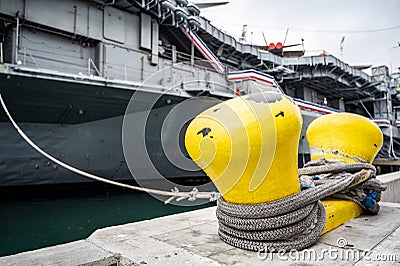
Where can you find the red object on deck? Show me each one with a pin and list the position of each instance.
(271, 46)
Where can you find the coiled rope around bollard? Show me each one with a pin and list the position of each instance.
(296, 221)
(366, 193)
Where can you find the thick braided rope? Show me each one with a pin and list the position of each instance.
(294, 222)
(323, 166)
(365, 191)
(256, 240)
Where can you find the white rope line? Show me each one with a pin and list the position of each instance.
(174, 194)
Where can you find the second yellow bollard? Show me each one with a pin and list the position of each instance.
(346, 138)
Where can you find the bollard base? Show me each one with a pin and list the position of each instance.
(339, 212)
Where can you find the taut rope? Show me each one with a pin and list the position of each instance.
(174, 194)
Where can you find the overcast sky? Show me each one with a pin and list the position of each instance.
(321, 23)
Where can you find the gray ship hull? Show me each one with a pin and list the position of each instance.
(80, 125)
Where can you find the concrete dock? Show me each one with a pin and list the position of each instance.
(392, 182)
(191, 239)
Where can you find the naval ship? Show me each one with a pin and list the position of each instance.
(97, 83)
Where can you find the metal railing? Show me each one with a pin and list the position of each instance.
(1, 53)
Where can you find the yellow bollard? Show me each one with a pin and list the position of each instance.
(248, 146)
(344, 137)
(347, 138)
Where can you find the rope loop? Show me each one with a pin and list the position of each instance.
(297, 221)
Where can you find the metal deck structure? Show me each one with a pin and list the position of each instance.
(322, 79)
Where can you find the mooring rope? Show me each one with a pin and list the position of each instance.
(297, 221)
(366, 193)
(174, 194)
